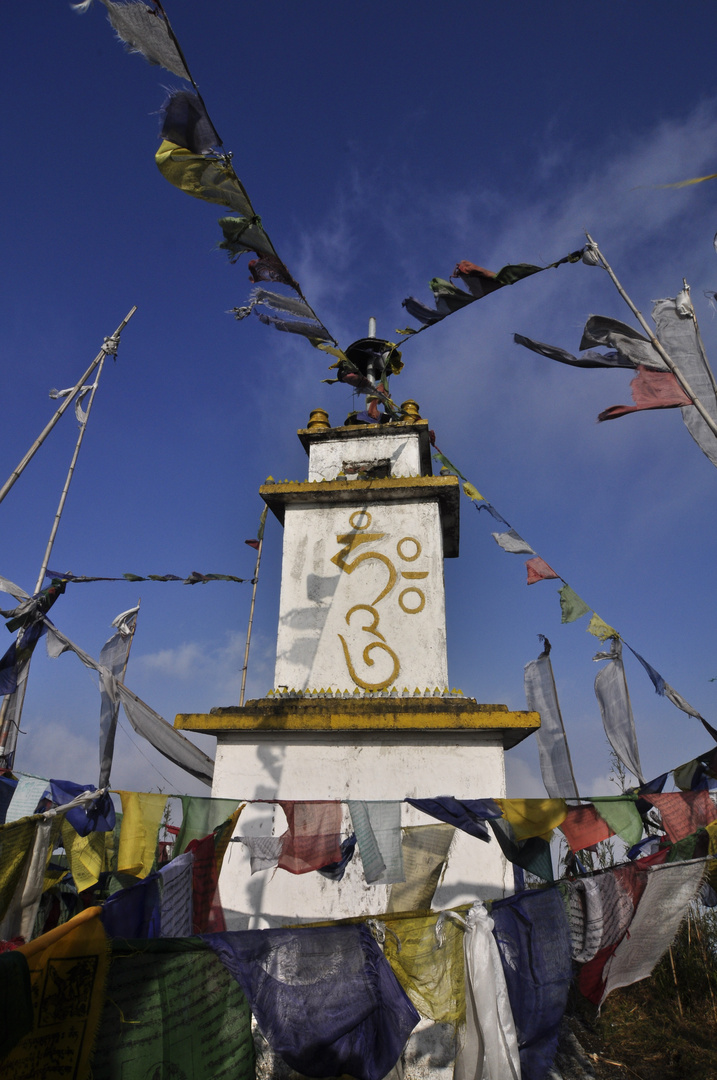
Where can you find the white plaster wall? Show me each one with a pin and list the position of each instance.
(388, 641)
(343, 766)
(326, 459)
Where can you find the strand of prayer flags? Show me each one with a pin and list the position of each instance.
(448, 298)
(191, 158)
(195, 578)
(572, 606)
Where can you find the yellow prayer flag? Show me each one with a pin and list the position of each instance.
(68, 969)
(203, 177)
(86, 855)
(533, 817)
(600, 629)
(431, 974)
(472, 492)
(16, 843)
(141, 818)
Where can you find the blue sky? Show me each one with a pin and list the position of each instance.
(381, 144)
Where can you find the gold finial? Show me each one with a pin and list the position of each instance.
(409, 411)
(318, 420)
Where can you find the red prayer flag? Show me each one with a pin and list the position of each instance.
(650, 390)
(538, 570)
(683, 812)
(313, 839)
(253, 543)
(583, 827)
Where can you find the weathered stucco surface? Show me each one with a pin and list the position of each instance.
(362, 598)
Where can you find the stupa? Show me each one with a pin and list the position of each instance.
(361, 707)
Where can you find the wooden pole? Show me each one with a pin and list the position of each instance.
(262, 521)
(109, 345)
(654, 340)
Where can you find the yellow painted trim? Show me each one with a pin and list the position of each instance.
(370, 715)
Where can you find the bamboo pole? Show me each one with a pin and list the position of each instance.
(9, 730)
(262, 521)
(108, 346)
(654, 340)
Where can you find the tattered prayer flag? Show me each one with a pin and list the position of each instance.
(143, 31)
(571, 606)
(668, 894)
(590, 359)
(600, 629)
(533, 817)
(633, 347)
(512, 542)
(538, 570)
(650, 390)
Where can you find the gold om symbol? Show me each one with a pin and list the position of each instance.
(411, 600)
(372, 628)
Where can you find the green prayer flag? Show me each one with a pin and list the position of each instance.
(508, 275)
(620, 812)
(173, 1009)
(571, 606)
(438, 456)
(200, 817)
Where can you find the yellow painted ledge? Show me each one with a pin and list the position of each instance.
(372, 715)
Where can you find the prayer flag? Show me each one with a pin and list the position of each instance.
(600, 629)
(584, 827)
(512, 542)
(533, 817)
(143, 31)
(679, 335)
(186, 122)
(378, 831)
(683, 812)
(632, 346)
(428, 963)
(650, 390)
(616, 710)
(68, 967)
(571, 605)
(313, 838)
(541, 696)
(425, 850)
(141, 817)
(325, 998)
(538, 570)
(620, 813)
(590, 359)
(173, 1010)
(204, 177)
